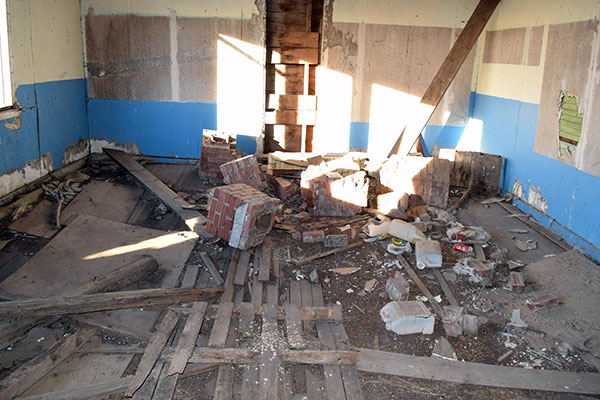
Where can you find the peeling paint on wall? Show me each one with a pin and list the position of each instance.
(76, 151)
(536, 200)
(14, 125)
(517, 189)
(32, 171)
(96, 146)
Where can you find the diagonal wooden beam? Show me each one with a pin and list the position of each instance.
(444, 77)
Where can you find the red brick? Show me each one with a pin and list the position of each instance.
(313, 236)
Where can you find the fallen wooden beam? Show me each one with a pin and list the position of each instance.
(192, 218)
(208, 355)
(35, 369)
(445, 288)
(318, 357)
(413, 275)
(382, 362)
(211, 268)
(339, 250)
(54, 306)
(444, 77)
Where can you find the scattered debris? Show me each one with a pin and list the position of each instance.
(397, 288)
(526, 245)
(370, 285)
(314, 276)
(377, 228)
(516, 230)
(452, 317)
(406, 317)
(517, 284)
(405, 231)
(398, 249)
(469, 235)
(306, 260)
(443, 349)
(505, 355)
(463, 248)
(345, 270)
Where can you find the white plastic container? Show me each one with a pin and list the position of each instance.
(405, 231)
(428, 254)
(406, 317)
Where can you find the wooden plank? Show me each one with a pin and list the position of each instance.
(227, 296)
(152, 353)
(122, 276)
(32, 371)
(273, 294)
(188, 338)
(269, 361)
(286, 5)
(413, 275)
(165, 387)
(334, 385)
(295, 295)
(318, 357)
(241, 270)
(53, 306)
(224, 385)
(293, 327)
(96, 390)
(445, 288)
(307, 301)
(445, 75)
(250, 381)
(40, 221)
(289, 79)
(145, 391)
(193, 219)
(306, 260)
(286, 21)
(309, 40)
(257, 292)
(246, 326)
(266, 254)
(190, 276)
(99, 199)
(314, 386)
(206, 355)
(349, 375)
(382, 362)
(211, 268)
(292, 102)
(314, 313)
(218, 335)
(293, 56)
(276, 265)
(291, 117)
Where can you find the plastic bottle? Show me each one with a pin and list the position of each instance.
(428, 254)
(406, 231)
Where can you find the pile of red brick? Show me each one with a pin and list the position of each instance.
(243, 170)
(240, 214)
(216, 151)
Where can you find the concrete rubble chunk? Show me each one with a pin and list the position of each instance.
(406, 317)
(397, 288)
(516, 320)
(336, 240)
(525, 245)
(443, 349)
(428, 254)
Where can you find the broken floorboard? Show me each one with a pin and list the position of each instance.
(193, 219)
(382, 362)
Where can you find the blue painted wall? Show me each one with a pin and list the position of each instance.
(573, 196)
(54, 117)
(163, 128)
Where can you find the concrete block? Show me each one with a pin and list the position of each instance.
(406, 317)
(470, 324)
(336, 240)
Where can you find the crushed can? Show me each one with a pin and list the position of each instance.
(463, 248)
